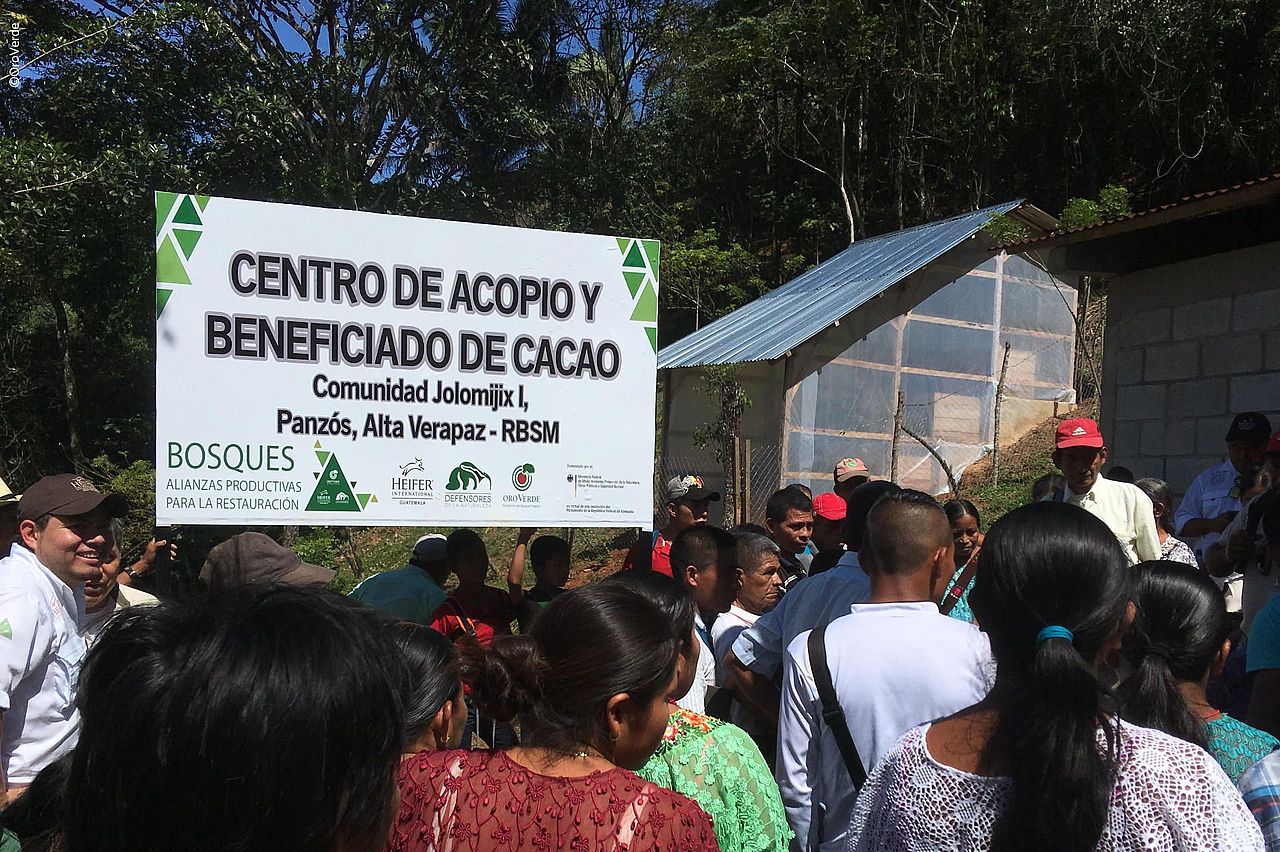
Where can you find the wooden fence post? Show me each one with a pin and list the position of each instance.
(897, 429)
(995, 453)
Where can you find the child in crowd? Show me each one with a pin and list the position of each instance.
(475, 611)
(550, 557)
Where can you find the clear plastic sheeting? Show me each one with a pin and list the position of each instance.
(937, 338)
(944, 356)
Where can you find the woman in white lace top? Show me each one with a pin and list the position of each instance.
(1039, 764)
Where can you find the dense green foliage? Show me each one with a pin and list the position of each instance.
(754, 138)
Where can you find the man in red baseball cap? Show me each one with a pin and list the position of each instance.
(64, 538)
(1080, 453)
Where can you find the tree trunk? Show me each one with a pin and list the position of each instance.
(71, 398)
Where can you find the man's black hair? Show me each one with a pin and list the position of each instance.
(787, 500)
(700, 546)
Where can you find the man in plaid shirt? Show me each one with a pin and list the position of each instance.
(1260, 786)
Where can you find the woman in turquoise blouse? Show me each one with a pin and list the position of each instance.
(966, 531)
(1177, 642)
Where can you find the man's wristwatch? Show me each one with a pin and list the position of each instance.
(133, 575)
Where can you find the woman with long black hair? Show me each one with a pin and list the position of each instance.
(589, 684)
(1040, 764)
(435, 712)
(966, 532)
(1177, 642)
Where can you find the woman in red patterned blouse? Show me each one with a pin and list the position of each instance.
(590, 684)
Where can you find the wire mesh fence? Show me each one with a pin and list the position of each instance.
(745, 480)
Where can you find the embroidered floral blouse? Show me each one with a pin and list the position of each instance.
(483, 801)
(718, 766)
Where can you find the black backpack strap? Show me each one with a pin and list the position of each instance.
(832, 712)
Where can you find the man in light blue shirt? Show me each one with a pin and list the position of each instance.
(1213, 498)
(415, 591)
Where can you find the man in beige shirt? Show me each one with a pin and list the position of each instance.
(1080, 454)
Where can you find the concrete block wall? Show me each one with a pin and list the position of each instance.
(1187, 347)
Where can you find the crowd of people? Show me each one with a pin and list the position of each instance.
(866, 669)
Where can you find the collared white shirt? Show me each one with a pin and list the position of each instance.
(1208, 496)
(893, 666)
(695, 700)
(122, 597)
(40, 656)
(1124, 508)
(1257, 588)
(726, 629)
(815, 601)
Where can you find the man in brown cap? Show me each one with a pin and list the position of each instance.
(64, 538)
(252, 557)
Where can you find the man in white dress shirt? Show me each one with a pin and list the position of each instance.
(895, 662)
(1080, 454)
(759, 590)
(64, 528)
(1213, 499)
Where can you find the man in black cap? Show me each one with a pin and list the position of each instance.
(64, 538)
(687, 502)
(1213, 498)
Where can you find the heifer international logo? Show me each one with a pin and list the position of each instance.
(333, 493)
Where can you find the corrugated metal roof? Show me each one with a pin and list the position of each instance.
(1106, 224)
(784, 318)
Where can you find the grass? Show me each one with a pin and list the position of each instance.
(357, 552)
(1021, 464)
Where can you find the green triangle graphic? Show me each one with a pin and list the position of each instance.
(162, 299)
(646, 306)
(202, 201)
(634, 280)
(332, 493)
(323, 455)
(653, 337)
(187, 240)
(634, 259)
(169, 269)
(187, 213)
(623, 242)
(164, 203)
(364, 499)
(652, 249)
(6, 629)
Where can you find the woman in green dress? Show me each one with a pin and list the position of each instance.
(1177, 642)
(712, 762)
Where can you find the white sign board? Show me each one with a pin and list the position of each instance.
(325, 367)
